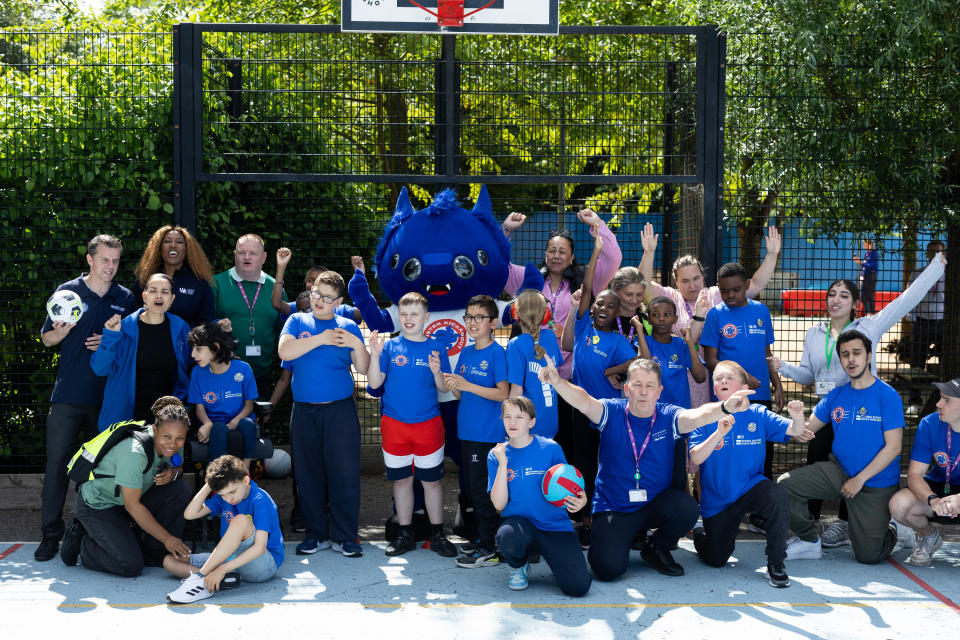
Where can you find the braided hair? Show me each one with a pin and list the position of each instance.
(531, 308)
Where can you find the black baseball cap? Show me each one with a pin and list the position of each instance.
(951, 388)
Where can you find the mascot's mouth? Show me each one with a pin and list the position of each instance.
(438, 289)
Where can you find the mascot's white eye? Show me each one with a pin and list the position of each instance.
(482, 258)
(411, 269)
(395, 261)
(463, 267)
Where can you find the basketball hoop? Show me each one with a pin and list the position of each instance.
(450, 13)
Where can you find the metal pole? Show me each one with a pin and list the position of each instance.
(710, 68)
(186, 74)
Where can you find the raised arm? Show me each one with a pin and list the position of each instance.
(500, 493)
(906, 301)
(648, 240)
(690, 419)
(611, 256)
(375, 377)
(702, 451)
(765, 271)
(276, 296)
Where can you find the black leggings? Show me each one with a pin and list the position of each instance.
(518, 537)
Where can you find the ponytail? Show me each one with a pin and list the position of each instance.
(531, 309)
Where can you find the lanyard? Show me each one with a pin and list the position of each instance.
(949, 469)
(620, 327)
(830, 342)
(633, 443)
(246, 300)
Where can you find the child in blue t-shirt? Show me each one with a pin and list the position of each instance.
(731, 453)
(526, 356)
(251, 543)
(530, 523)
(223, 390)
(480, 383)
(410, 367)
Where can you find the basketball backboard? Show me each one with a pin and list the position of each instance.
(521, 17)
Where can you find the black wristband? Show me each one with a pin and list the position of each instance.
(723, 408)
(931, 497)
(698, 318)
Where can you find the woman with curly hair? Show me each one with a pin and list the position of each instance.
(173, 251)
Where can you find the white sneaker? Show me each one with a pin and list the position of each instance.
(191, 589)
(906, 537)
(798, 549)
(835, 535)
(922, 556)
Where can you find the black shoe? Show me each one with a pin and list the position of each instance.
(48, 549)
(297, 523)
(533, 558)
(639, 540)
(777, 575)
(441, 546)
(72, 539)
(583, 537)
(661, 560)
(403, 543)
(231, 580)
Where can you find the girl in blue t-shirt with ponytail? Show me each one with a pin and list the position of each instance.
(223, 389)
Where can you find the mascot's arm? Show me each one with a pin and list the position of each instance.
(377, 319)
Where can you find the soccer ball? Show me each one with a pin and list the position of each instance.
(64, 306)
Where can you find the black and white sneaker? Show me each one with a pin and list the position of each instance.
(191, 590)
(479, 558)
(777, 575)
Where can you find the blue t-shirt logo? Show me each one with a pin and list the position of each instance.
(209, 397)
(719, 445)
(759, 322)
(484, 365)
(305, 334)
(838, 414)
(941, 458)
(729, 331)
(463, 369)
(511, 474)
(752, 427)
(400, 360)
(238, 377)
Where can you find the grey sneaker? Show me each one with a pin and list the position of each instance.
(835, 535)
(798, 549)
(479, 558)
(922, 555)
(906, 537)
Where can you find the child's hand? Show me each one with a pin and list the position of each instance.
(453, 381)
(574, 503)
(203, 433)
(283, 256)
(702, 306)
(434, 362)
(598, 243)
(685, 334)
(343, 338)
(357, 263)
(225, 324)
(615, 382)
(233, 424)
(213, 579)
(113, 323)
(575, 297)
(806, 436)
(724, 425)
(513, 222)
(327, 337)
(795, 409)
(549, 373)
(773, 240)
(376, 343)
(500, 452)
(637, 324)
(648, 239)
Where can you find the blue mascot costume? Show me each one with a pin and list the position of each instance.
(448, 254)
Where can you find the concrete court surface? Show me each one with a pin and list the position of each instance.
(421, 595)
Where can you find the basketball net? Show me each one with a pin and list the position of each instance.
(450, 13)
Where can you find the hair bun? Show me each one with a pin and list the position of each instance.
(165, 401)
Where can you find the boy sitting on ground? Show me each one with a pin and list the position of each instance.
(251, 543)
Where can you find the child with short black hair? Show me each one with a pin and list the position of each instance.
(411, 368)
(251, 543)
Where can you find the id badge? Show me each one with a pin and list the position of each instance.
(253, 350)
(638, 495)
(825, 386)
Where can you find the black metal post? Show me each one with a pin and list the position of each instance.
(451, 108)
(711, 63)
(186, 139)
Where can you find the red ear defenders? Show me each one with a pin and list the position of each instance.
(516, 317)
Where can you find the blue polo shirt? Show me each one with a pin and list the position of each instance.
(262, 510)
(616, 462)
(930, 447)
(222, 394)
(860, 417)
(526, 468)
(193, 300)
(674, 361)
(478, 419)
(343, 310)
(327, 363)
(523, 369)
(410, 393)
(76, 383)
(594, 352)
(736, 464)
(742, 334)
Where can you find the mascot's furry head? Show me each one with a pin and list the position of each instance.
(444, 251)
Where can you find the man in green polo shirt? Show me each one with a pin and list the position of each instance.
(242, 295)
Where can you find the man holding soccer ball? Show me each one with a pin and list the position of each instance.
(77, 392)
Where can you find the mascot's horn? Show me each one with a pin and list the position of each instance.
(483, 202)
(404, 207)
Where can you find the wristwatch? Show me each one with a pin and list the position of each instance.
(931, 497)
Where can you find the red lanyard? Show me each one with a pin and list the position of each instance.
(246, 300)
(633, 443)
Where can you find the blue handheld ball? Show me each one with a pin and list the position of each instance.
(559, 481)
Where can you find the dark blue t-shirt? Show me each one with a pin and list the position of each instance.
(523, 369)
(736, 464)
(262, 510)
(742, 334)
(76, 383)
(616, 466)
(526, 468)
(222, 394)
(328, 363)
(410, 392)
(930, 447)
(478, 419)
(860, 417)
(193, 300)
(674, 361)
(594, 352)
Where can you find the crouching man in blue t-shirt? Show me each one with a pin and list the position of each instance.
(864, 467)
(251, 543)
(635, 469)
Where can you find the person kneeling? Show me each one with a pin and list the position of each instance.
(250, 539)
(530, 523)
(731, 454)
